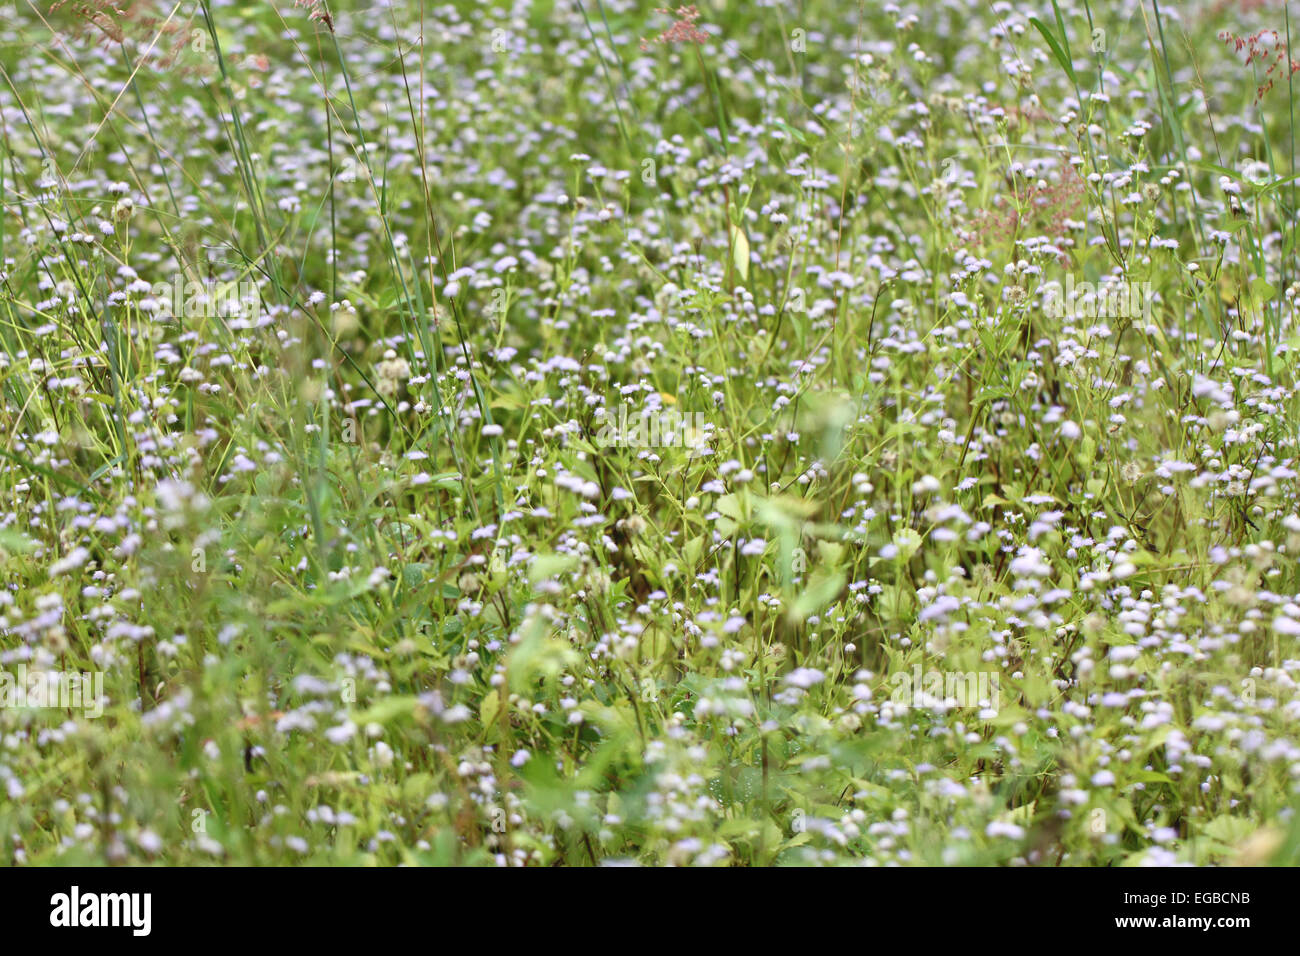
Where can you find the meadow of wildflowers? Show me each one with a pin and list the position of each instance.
(575, 432)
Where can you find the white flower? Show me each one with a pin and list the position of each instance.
(999, 828)
(804, 677)
(73, 560)
(1029, 562)
(1287, 626)
(457, 714)
(381, 754)
(342, 733)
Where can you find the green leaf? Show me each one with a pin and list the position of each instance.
(1056, 48)
(15, 543)
(822, 590)
(740, 252)
(387, 710)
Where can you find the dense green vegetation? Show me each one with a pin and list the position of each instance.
(569, 433)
